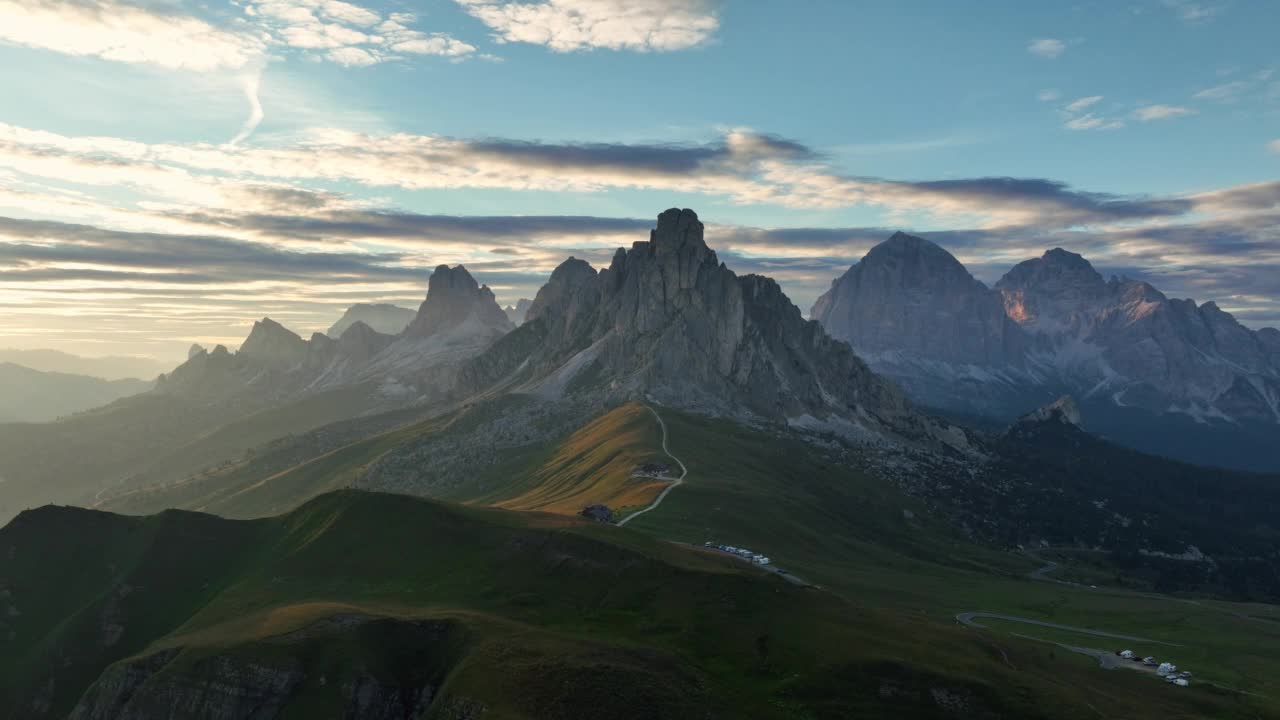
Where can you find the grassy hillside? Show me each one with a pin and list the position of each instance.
(851, 532)
(396, 602)
(151, 438)
(593, 465)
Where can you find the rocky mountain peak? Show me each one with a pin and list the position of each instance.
(273, 342)
(454, 298)
(1063, 410)
(666, 320)
(194, 350)
(678, 231)
(383, 317)
(909, 295)
(1056, 272)
(570, 278)
(516, 313)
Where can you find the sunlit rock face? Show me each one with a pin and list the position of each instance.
(1051, 326)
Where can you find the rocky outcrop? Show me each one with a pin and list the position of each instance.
(194, 350)
(381, 317)
(1063, 410)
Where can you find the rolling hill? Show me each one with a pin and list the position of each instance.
(389, 606)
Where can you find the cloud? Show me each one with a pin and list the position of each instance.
(128, 33)
(349, 34)
(1047, 47)
(252, 86)
(743, 167)
(1274, 146)
(1224, 92)
(572, 25)
(1093, 122)
(1148, 113)
(1194, 12)
(1048, 95)
(1083, 103)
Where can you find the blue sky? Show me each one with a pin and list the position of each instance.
(170, 171)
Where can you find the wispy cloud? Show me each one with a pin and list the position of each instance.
(1048, 95)
(1191, 11)
(571, 25)
(1225, 91)
(1148, 113)
(1275, 146)
(743, 167)
(1083, 103)
(1047, 47)
(1089, 121)
(252, 86)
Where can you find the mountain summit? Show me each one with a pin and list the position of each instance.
(909, 296)
(666, 319)
(1166, 375)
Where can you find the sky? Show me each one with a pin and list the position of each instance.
(171, 171)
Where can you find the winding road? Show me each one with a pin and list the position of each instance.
(970, 619)
(662, 495)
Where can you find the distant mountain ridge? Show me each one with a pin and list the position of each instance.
(383, 317)
(28, 395)
(118, 367)
(1054, 326)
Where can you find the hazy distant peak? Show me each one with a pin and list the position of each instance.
(516, 314)
(454, 298)
(385, 318)
(270, 340)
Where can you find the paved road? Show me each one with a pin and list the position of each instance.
(770, 567)
(969, 619)
(662, 495)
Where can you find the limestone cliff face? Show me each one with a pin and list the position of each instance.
(454, 300)
(1052, 326)
(666, 319)
(910, 296)
(1142, 348)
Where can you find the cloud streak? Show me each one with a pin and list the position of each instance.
(1049, 48)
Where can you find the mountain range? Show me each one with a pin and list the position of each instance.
(105, 367)
(312, 585)
(28, 395)
(1159, 374)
